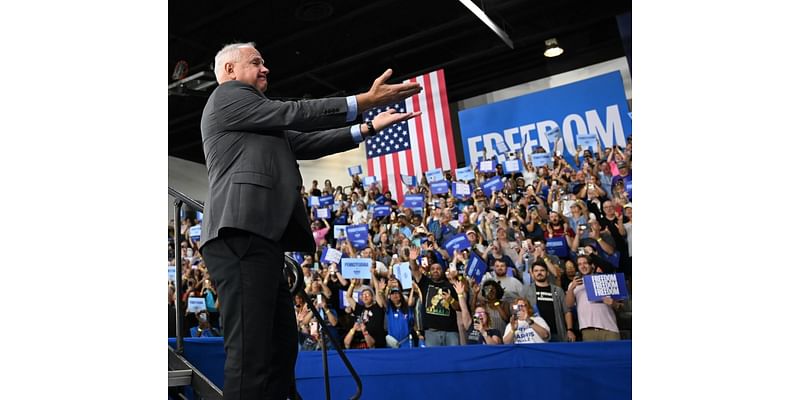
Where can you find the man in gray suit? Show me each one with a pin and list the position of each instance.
(254, 211)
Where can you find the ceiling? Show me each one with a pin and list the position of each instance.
(321, 48)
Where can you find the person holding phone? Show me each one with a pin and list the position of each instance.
(525, 326)
(478, 329)
(597, 321)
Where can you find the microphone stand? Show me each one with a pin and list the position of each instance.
(292, 268)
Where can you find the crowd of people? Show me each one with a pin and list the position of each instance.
(540, 236)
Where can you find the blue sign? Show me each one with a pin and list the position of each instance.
(512, 166)
(409, 180)
(595, 106)
(465, 174)
(413, 201)
(381, 211)
(439, 187)
(540, 159)
(380, 199)
(434, 175)
(171, 272)
(476, 267)
(557, 246)
(553, 134)
(358, 235)
(486, 166)
(456, 243)
(326, 200)
(343, 302)
(195, 231)
(403, 273)
(356, 268)
(492, 185)
(602, 285)
(323, 212)
(461, 189)
(354, 170)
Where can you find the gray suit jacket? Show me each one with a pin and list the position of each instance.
(251, 146)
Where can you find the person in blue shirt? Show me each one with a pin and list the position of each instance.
(399, 315)
(204, 328)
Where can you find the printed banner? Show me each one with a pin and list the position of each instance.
(196, 304)
(595, 106)
(434, 175)
(602, 285)
(492, 185)
(462, 189)
(381, 211)
(356, 268)
(323, 212)
(456, 243)
(439, 187)
(465, 174)
(358, 235)
(413, 201)
(476, 267)
(331, 255)
(354, 170)
(195, 231)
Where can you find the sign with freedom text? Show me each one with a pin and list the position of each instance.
(602, 285)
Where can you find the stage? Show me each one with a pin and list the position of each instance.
(585, 371)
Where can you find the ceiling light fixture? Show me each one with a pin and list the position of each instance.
(551, 48)
(485, 18)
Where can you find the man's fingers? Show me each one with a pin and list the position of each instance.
(384, 77)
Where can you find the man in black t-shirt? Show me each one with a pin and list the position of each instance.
(370, 315)
(551, 302)
(440, 305)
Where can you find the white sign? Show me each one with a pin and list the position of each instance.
(355, 268)
(313, 201)
(403, 273)
(195, 232)
(462, 189)
(196, 304)
(323, 212)
(339, 231)
(486, 166)
(369, 180)
(171, 272)
(332, 256)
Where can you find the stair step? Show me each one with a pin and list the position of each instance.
(180, 377)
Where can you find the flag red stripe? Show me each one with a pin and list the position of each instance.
(423, 162)
(446, 111)
(396, 178)
(431, 115)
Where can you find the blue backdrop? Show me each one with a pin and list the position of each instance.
(594, 106)
(585, 371)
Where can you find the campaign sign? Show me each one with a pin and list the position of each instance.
(358, 235)
(195, 231)
(380, 199)
(602, 285)
(540, 159)
(465, 174)
(476, 267)
(343, 302)
(409, 180)
(413, 200)
(326, 200)
(199, 216)
(331, 255)
(381, 211)
(596, 106)
(439, 187)
(434, 175)
(587, 141)
(354, 170)
(512, 166)
(313, 201)
(403, 273)
(486, 166)
(196, 304)
(456, 243)
(339, 231)
(356, 268)
(461, 189)
(492, 185)
(557, 246)
(553, 134)
(369, 180)
(323, 212)
(502, 147)
(171, 273)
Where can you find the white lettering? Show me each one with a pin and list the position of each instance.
(611, 133)
(489, 142)
(543, 127)
(566, 128)
(472, 144)
(510, 142)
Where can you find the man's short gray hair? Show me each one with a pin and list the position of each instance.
(229, 53)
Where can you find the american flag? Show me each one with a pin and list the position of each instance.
(415, 146)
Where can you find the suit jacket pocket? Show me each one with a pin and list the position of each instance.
(253, 178)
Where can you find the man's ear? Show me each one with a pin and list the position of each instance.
(229, 68)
